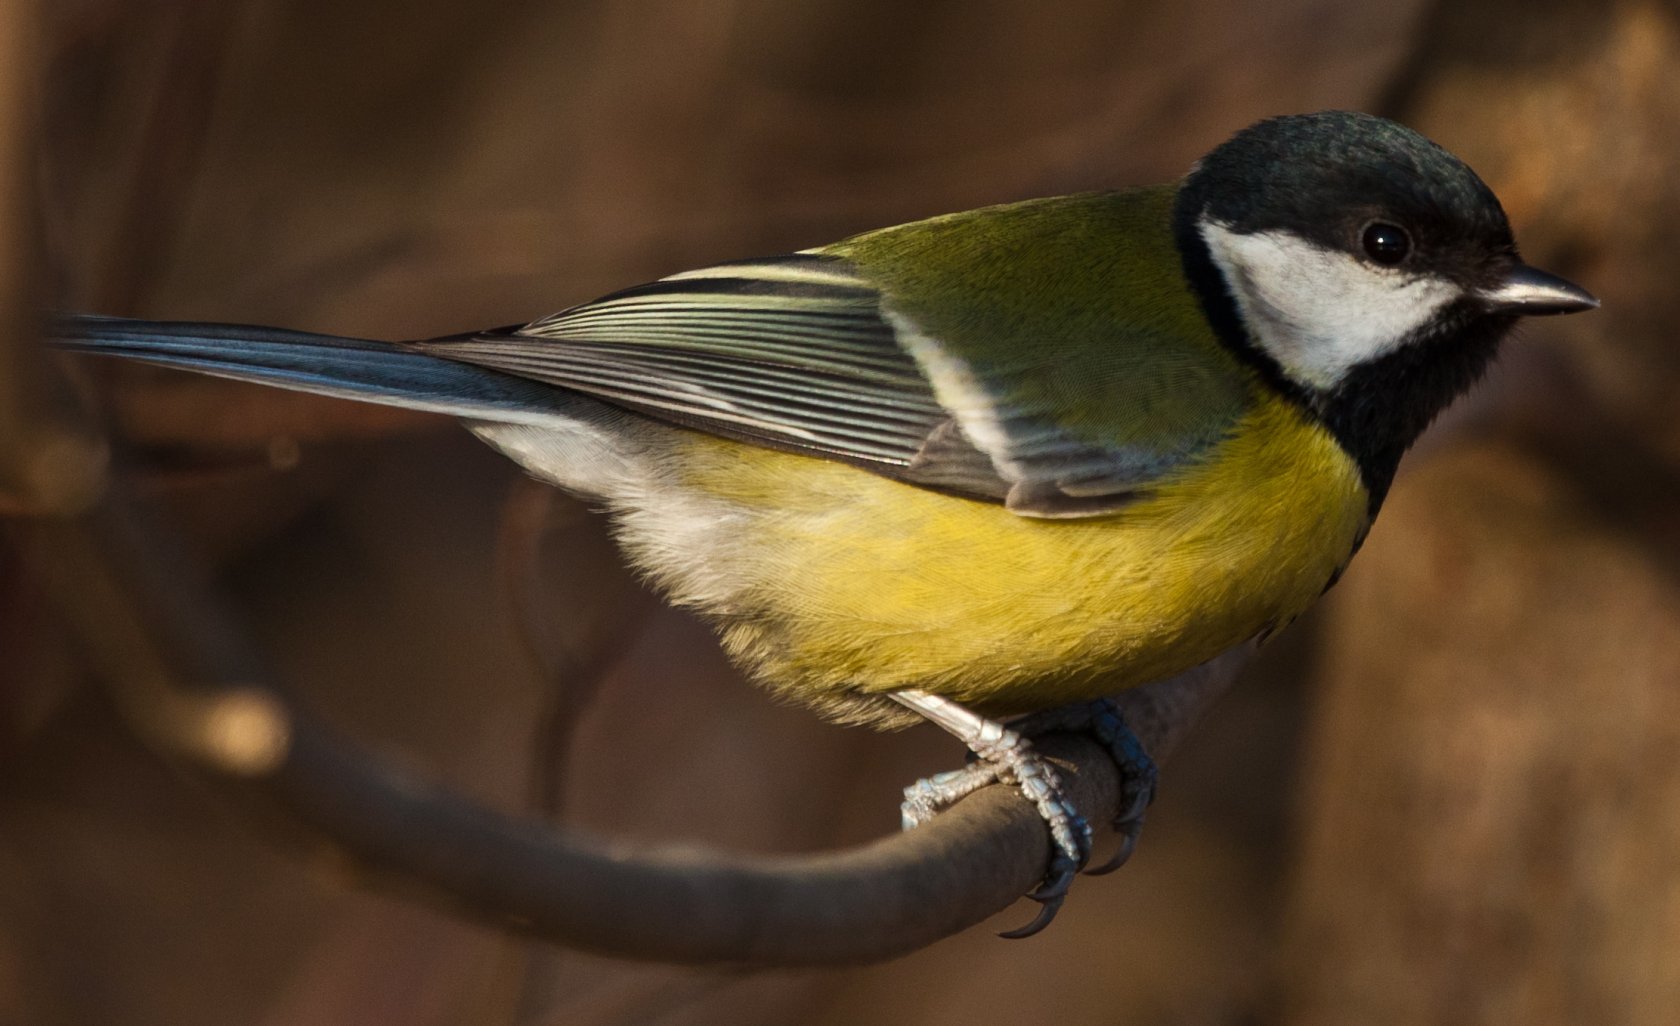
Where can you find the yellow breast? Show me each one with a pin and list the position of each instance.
(828, 580)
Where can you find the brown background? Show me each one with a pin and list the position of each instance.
(1448, 797)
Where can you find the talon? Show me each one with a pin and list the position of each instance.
(1056, 881)
(1039, 922)
(1128, 844)
(1004, 756)
(1131, 817)
(1129, 825)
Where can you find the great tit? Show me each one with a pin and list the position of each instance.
(1000, 461)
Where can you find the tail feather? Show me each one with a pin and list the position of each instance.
(350, 368)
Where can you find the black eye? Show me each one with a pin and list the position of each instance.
(1385, 243)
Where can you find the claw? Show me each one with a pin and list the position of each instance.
(1129, 825)
(1137, 771)
(1070, 833)
(1128, 844)
(1004, 755)
(1045, 915)
(1142, 796)
(1056, 882)
(1050, 894)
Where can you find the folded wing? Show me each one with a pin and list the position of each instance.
(803, 353)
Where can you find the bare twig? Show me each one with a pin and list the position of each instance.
(149, 629)
(171, 148)
(548, 559)
(47, 462)
(572, 653)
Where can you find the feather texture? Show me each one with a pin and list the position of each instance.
(1059, 396)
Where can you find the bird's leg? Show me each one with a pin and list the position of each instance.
(1004, 755)
(1102, 719)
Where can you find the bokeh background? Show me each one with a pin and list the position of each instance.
(1448, 796)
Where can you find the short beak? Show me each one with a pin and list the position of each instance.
(1526, 291)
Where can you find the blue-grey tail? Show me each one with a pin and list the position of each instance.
(351, 368)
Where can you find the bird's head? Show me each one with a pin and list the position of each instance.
(1359, 266)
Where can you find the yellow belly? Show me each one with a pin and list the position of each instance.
(827, 580)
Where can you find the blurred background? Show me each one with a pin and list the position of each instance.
(1448, 796)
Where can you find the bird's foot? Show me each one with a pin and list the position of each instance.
(1103, 720)
(930, 796)
(1003, 755)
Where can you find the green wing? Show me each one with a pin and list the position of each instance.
(789, 352)
(1047, 355)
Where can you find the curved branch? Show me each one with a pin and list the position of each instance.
(151, 629)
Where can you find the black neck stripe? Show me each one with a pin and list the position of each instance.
(1379, 408)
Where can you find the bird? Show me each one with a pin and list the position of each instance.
(1000, 463)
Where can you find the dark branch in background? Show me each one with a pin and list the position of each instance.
(187, 680)
(551, 556)
(49, 461)
(171, 147)
(572, 653)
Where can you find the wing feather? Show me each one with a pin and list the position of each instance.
(790, 352)
(802, 353)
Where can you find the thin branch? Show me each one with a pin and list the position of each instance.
(546, 559)
(48, 461)
(149, 627)
(193, 52)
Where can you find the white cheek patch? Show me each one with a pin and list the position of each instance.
(1318, 312)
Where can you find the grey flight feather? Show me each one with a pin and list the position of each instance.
(791, 352)
(321, 364)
